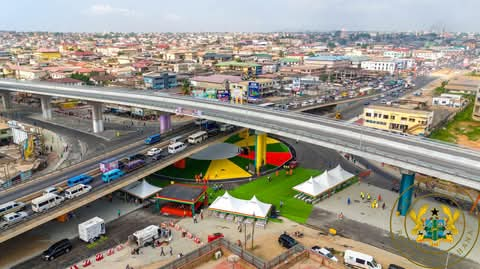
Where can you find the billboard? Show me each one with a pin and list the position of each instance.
(253, 90)
(223, 95)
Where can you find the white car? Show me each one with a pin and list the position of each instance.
(12, 218)
(53, 190)
(325, 252)
(154, 151)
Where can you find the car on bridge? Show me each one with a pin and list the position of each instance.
(12, 218)
(154, 151)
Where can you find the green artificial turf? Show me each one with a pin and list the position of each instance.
(279, 189)
(233, 139)
(192, 168)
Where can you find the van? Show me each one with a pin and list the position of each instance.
(10, 207)
(197, 137)
(61, 247)
(226, 128)
(112, 175)
(80, 179)
(46, 202)
(12, 218)
(152, 139)
(174, 148)
(77, 190)
(360, 260)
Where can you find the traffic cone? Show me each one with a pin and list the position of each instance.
(74, 266)
(110, 252)
(119, 247)
(99, 257)
(87, 263)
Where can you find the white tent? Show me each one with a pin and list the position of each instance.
(141, 189)
(324, 182)
(229, 204)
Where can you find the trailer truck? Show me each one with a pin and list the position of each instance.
(91, 229)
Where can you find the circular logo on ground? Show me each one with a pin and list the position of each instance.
(436, 230)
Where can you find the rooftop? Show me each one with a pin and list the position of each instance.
(234, 63)
(327, 58)
(217, 78)
(399, 109)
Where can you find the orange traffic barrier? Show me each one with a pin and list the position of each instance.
(110, 252)
(87, 263)
(99, 257)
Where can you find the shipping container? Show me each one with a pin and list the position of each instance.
(91, 229)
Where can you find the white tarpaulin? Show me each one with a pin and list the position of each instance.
(229, 204)
(141, 189)
(324, 182)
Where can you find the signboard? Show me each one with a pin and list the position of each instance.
(188, 112)
(296, 84)
(223, 95)
(253, 90)
(205, 93)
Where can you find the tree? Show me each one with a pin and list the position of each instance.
(281, 53)
(331, 45)
(83, 78)
(186, 87)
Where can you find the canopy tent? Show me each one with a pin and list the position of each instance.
(324, 182)
(141, 189)
(249, 208)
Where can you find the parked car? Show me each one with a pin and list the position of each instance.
(325, 252)
(153, 151)
(61, 247)
(286, 241)
(393, 266)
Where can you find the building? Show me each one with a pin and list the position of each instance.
(450, 100)
(329, 61)
(428, 54)
(397, 53)
(67, 81)
(159, 81)
(220, 57)
(48, 54)
(399, 120)
(309, 70)
(382, 65)
(250, 69)
(213, 81)
(476, 108)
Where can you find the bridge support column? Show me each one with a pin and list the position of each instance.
(97, 117)
(260, 151)
(406, 191)
(165, 123)
(46, 107)
(5, 101)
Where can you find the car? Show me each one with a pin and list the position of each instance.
(213, 131)
(394, 266)
(383, 101)
(52, 189)
(12, 218)
(286, 241)
(59, 248)
(325, 252)
(366, 103)
(153, 151)
(375, 99)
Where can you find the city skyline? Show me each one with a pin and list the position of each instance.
(227, 16)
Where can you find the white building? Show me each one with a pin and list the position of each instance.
(382, 65)
(451, 100)
(428, 54)
(396, 53)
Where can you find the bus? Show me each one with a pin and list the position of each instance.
(152, 139)
(176, 147)
(112, 175)
(46, 202)
(197, 137)
(77, 190)
(11, 207)
(80, 179)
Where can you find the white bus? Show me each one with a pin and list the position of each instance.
(197, 137)
(176, 147)
(46, 202)
(77, 190)
(11, 207)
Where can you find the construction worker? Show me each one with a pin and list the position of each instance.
(368, 196)
(362, 195)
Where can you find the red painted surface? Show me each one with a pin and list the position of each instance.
(180, 164)
(273, 158)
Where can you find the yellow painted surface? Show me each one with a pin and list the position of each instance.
(261, 151)
(251, 141)
(225, 169)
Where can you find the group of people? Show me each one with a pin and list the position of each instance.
(195, 218)
(374, 203)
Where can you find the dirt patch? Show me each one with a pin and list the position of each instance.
(464, 141)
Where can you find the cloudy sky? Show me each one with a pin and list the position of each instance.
(239, 15)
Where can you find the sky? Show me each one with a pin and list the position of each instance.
(239, 15)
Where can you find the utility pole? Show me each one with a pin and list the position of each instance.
(253, 228)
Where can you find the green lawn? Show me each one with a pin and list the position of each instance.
(448, 133)
(241, 162)
(233, 139)
(279, 189)
(193, 167)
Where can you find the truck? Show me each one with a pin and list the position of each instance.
(91, 229)
(146, 235)
(109, 164)
(132, 165)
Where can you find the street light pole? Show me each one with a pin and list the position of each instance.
(253, 228)
(446, 262)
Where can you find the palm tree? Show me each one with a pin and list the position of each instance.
(186, 89)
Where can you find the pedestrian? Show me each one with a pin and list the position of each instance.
(127, 267)
(362, 195)
(383, 206)
(171, 251)
(162, 253)
(368, 196)
(201, 215)
(118, 212)
(269, 179)
(194, 218)
(379, 197)
(110, 197)
(281, 203)
(348, 200)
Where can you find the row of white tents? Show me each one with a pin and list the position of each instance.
(246, 208)
(329, 180)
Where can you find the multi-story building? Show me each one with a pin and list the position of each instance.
(48, 54)
(397, 53)
(400, 120)
(428, 54)
(382, 65)
(159, 81)
(329, 61)
(476, 108)
(251, 69)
